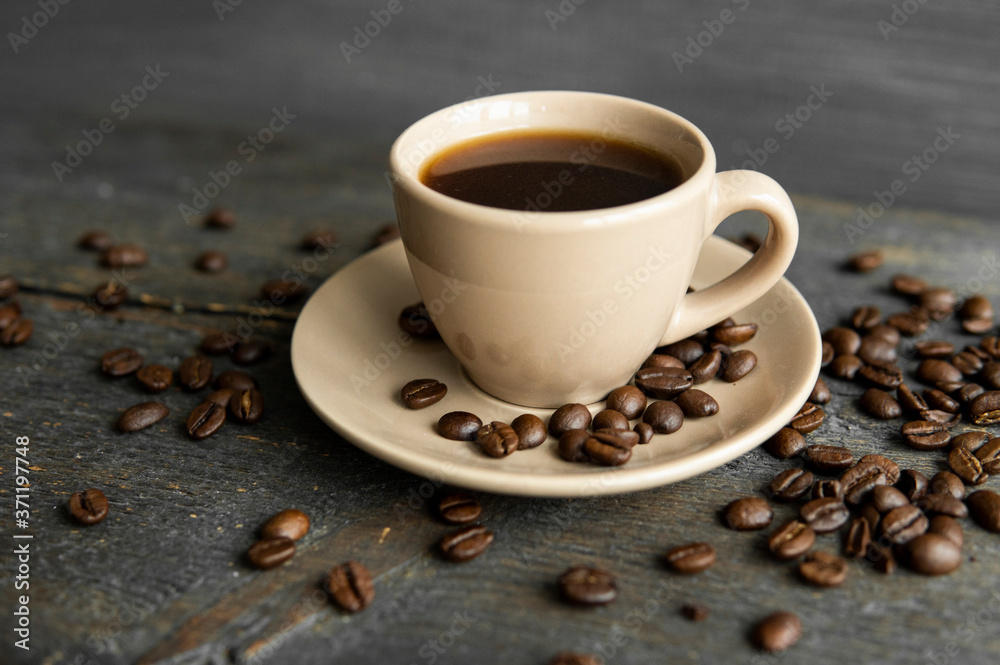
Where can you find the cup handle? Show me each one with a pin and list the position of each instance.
(732, 192)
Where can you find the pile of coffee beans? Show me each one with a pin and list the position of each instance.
(15, 330)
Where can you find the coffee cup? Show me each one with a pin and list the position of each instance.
(545, 308)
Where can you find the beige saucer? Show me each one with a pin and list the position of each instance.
(350, 360)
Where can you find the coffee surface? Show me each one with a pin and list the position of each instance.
(550, 171)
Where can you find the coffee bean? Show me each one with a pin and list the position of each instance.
(971, 441)
(319, 239)
(932, 554)
(124, 256)
(609, 419)
(925, 435)
(121, 362)
(466, 543)
(270, 553)
(865, 317)
(829, 458)
(663, 382)
(887, 376)
(645, 432)
(195, 373)
(573, 658)
(985, 409)
(881, 558)
(820, 393)
(693, 612)
(967, 363)
(827, 354)
(691, 558)
(886, 498)
(943, 418)
(706, 367)
(497, 439)
(977, 326)
(870, 514)
(155, 378)
(946, 482)
(221, 397)
(976, 306)
(697, 403)
(777, 632)
(628, 401)
(989, 456)
(351, 586)
(942, 504)
(880, 404)
(967, 393)
(876, 351)
(459, 508)
(947, 527)
(687, 350)
(736, 334)
(9, 313)
(96, 240)
(846, 367)
(421, 393)
(991, 345)
(791, 484)
(664, 417)
(823, 569)
(939, 401)
(909, 324)
(747, 514)
(890, 468)
(459, 426)
(588, 586)
(235, 379)
(845, 341)
(932, 370)
(416, 320)
(211, 262)
(567, 417)
(291, 524)
(17, 333)
(908, 285)
(786, 443)
(89, 506)
(825, 488)
(251, 351)
(825, 515)
(934, 348)
(661, 360)
(571, 445)
(612, 447)
(808, 419)
(903, 524)
(913, 484)
(985, 508)
(967, 467)
(205, 420)
(886, 333)
(939, 301)
(283, 291)
(737, 365)
(247, 406)
(219, 343)
(110, 295)
(791, 540)
(858, 538)
(142, 416)
(860, 480)
(220, 219)
(909, 400)
(865, 261)
(989, 376)
(531, 431)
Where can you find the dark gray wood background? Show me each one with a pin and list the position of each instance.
(163, 579)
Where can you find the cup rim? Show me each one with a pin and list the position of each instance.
(556, 220)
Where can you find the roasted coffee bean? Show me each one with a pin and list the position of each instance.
(612, 447)
(221, 219)
(121, 362)
(829, 458)
(155, 378)
(645, 432)
(195, 372)
(466, 543)
(934, 348)
(459, 426)
(736, 334)
(870, 514)
(89, 506)
(985, 409)
(865, 261)
(886, 498)
(932, 554)
(124, 256)
(967, 467)
(747, 514)
(697, 403)
(828, 488)
(497, 439)
(416, 320)
(977, 326)
(948, 387)
(211, 262)
(827, 354)
(530, 431)
(903, 524)
(459, 508)
(946, 482)
(706, 367)
(846, 367)
(588, 586)
(971, 441)
(609, 419)
(791, 484)
(786, 443)
(351, 586)
(270, 553)
(948, 420)
(845, 341)
(808, 419)
(858, 538)
(664, 417)
(386, 234)
(909, 324)
(880, 404)
(247, 406)
(574, 658)
(909, 400)
(942, 504)
(967, 393)
(976, 306)
(291, 524)
(860, 480)
(939, 301)
(791, 540)
(571, 445)
(991, 345)
(17, 333)
(989, 456)
(737, 365)
(881, 558)
(686, 350)
(866, 317)
(692, 612)
(933, 370)
(967, 363)
(319, 239)
(823, 569)
(985, 508)
(979, 352)
(663, 382)
(990, 375)
(825, 515)
(691, 558)
(820, 393)
(877, 351)
(913, 484)
(205, 420)
(234, 378)
(251, 351)
(219, 343)
(661, 360)
(886, 333)
(777, 632)
(111, 294)
(567, 417)
(142, 416)
(9, 313)
(948, 527)
(96, 240)
(282, 291)
(937, 400)
(421, 393)
(887, 377)
(890, 468)
(925, 435)
(628, 401)
(908, 285)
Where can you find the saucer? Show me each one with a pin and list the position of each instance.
(351, 359)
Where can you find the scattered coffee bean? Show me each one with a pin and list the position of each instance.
(142, 416)
(96, 240)
(820, 393)
(976, 306)
(967, 467)
(903, 524)
(664, 417)
(588, 586)
(270, 553)
(661, 360)
(251, 352)
(880, 404)
(235, 379)
(808, 419)
(747, 514)
(777, 632)
(881, 558)
(706, 367)
(885, 376)
(827, 354)
(786, 443)
(17, 333)
(567, 417)
(828, 488)
(697, 403)
(934, 348)
(195, 372)
(497, 439)
(693, 612)
(938, 301)
(291, 524)
(791, 540)
(845, 341)
(645, 432)
(791, 484)
(942, 504)
(908, 285)
(466, 543)
(886, 333)
(612, 447)
(211, 262)
(247, 406)
(823, 569)
(628, 401)
(890, 468)
(459, 426)
(991, 345)
(219, 343)
(351, 586)
(932, 554)
(860, 480)
(909, 324)
(858, 538)
(282, 291)
(946, 482)
(913, 484)
(825, 515)
(909, 400)
(89, 506)
(829, 458)
(948, 527)
(985, 508)
(977, 326)
(691, 558)
(319, 239)
(459, 508)
(925, 435)
(124, 256)
(9, 313)
(989, 376)
(421, 393)
(846, 367)
(989, 456)
(121, 362)
(111, 294)
(688, 351)
(737, 365)
(205, 420)
(155, 378)
(866, 318)
(886, 498)
(663, 382)
(933, 370)
(940, 401)
(971, 441)
(416, 320)
(968, 363)
(967, 393)
(609, 419)
(865, 261)
(736, 334)
(531, 431)
(221, 219)
(571, 445)
(985, 409)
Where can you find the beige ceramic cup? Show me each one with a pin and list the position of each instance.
(547, 308)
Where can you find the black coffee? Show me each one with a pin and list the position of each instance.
(550, 171)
